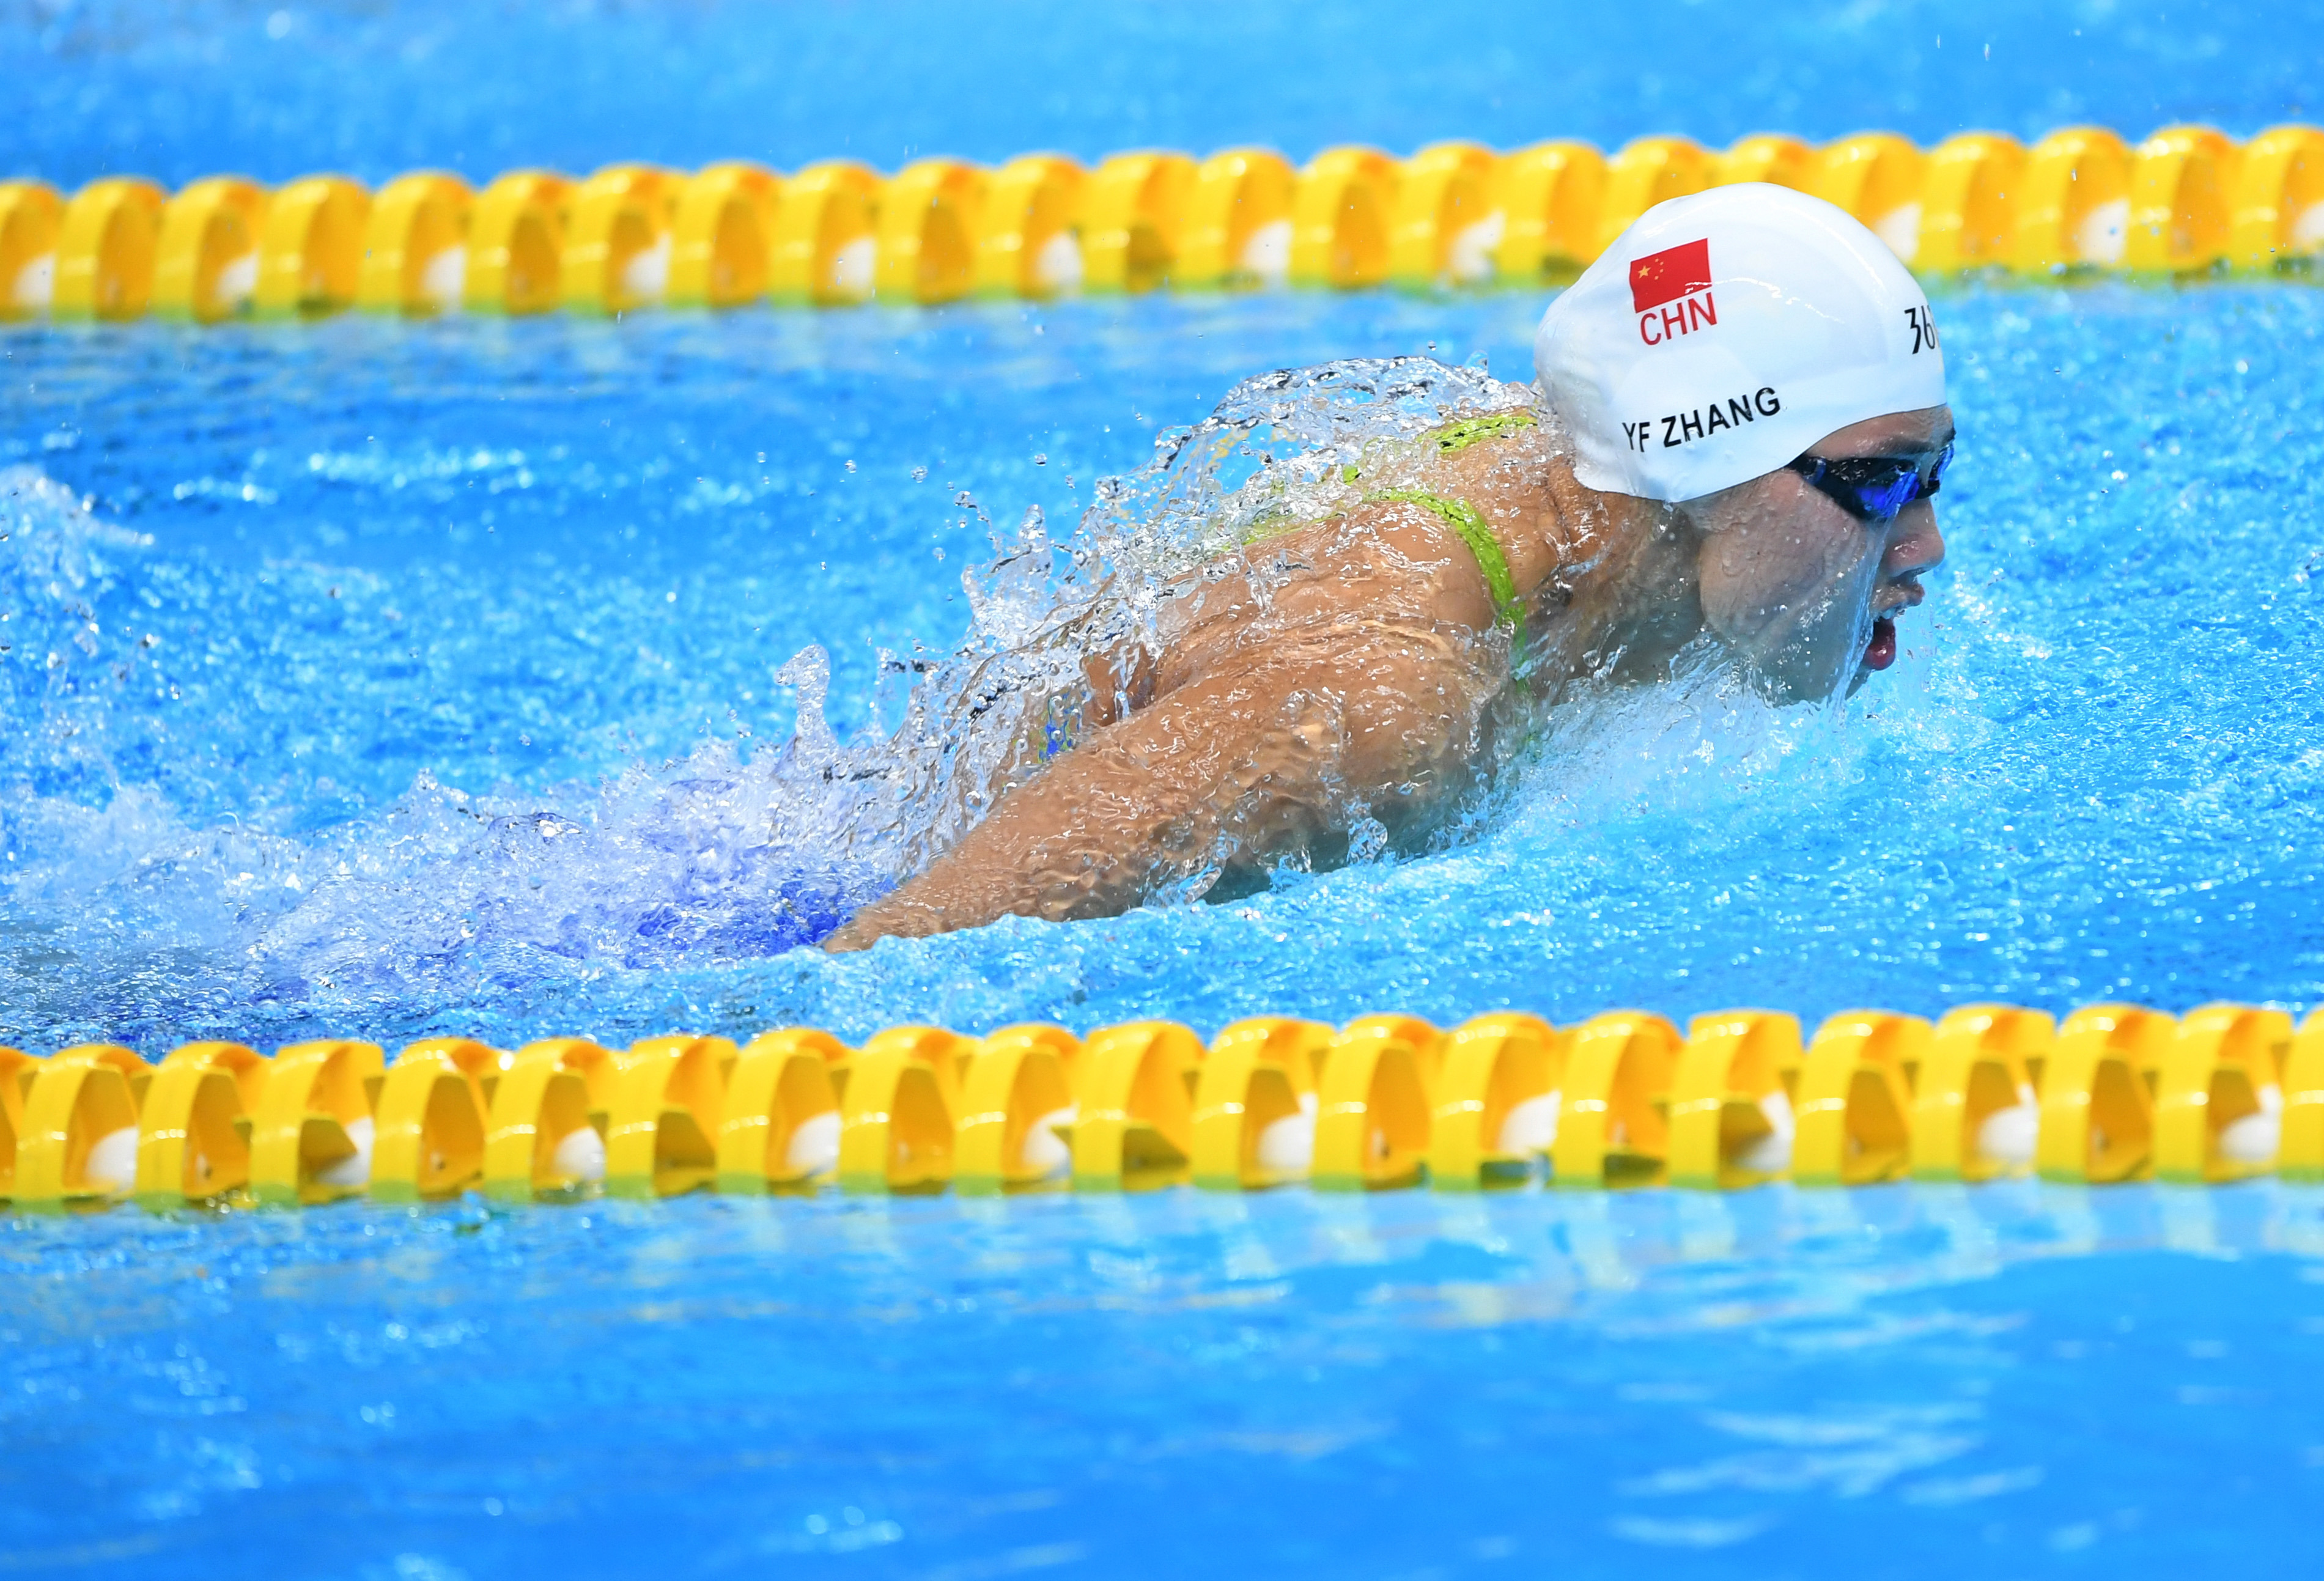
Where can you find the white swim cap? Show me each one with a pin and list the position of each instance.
(1724, 333)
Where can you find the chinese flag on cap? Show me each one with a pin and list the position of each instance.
(1670, 275)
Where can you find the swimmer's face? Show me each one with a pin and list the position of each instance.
(1805, 594)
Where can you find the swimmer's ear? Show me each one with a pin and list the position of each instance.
(1708, 514)
(1687, 520)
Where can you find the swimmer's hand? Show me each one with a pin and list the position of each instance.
(1237, 770)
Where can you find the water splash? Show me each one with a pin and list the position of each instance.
(985, 718)
(112, 890)
(734, 852)
(69, 650)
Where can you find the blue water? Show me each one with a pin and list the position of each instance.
(392, 679)
(2018, 1381)
(279, 90)
(462, 711)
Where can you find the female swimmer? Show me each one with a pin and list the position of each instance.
(1739, 420)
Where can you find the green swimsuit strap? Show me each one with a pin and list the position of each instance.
(1466, 522)
(1459, 436)
(1469, 525)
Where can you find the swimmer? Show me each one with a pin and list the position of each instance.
(1737, 422)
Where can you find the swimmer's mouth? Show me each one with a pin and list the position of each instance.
(1881, 651)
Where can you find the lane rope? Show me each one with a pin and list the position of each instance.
(2188, 201)
(1739, 1099)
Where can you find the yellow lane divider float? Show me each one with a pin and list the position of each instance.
(1624, 1099)
(2187, 201)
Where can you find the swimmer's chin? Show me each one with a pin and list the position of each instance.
(1790, 684)
(1797, 680)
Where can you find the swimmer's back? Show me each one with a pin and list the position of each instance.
(1385, 562)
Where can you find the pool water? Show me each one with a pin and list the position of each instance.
(277, 90)
(428, 679)
(387, 680)
(2015, 1380)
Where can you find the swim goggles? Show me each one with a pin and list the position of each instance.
(1873, 488)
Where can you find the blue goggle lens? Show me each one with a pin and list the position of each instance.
(1873, 488)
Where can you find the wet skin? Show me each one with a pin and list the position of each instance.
(1349, 668)
(1786, 577)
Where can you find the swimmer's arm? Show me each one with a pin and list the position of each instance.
(1237, 768)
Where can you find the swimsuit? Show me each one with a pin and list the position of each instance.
(1469, 526)
(1467, 522)
(1459, 436)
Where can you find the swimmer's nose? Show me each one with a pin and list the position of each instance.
(1915, 544)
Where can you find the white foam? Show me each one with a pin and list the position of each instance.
(1530, 1126)
(354, 1170)
(112, 1166)
(579, 1154)
(237, 282)
(1045, 1154)
(35, 285)
(1286, 1147)
(1266, 253)
(1772, 1155)
(1058, 266)
(2254, 1137)
(1900, 227)
(814, 1147)
(2009, 1137)
(444, 277)
(854, 268)
(1469, 260)
(2307, 234)
(2100, 237)
(645, 274)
